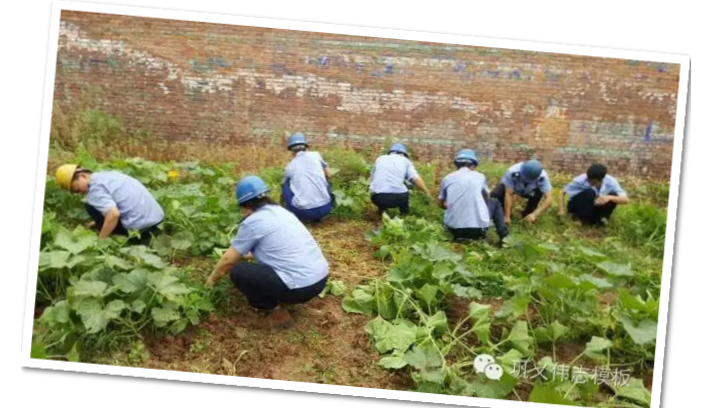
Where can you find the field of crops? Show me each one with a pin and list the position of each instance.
(569, 313)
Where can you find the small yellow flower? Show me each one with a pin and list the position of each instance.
(173, 174)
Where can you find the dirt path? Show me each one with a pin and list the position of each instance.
(325, 344)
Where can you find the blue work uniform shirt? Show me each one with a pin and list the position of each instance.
(390, 173)
(581, 183)
(307, 180)
(466, 207)
(278, 239)
(138, 208)
(513, 180)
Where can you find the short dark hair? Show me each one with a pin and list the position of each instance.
(460, 164)
(79, 171)
(258, 202)
(597, 172)
(299, 148)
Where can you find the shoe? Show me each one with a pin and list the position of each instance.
(280, 318)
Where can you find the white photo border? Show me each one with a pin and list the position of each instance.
(58, 6)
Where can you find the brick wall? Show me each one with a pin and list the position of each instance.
(237, 85)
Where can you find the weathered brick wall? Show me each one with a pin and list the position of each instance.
(238, 85)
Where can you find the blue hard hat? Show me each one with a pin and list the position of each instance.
(398, 148)
(531, 170)
(466, 156)
(297, 139)
(250, 187)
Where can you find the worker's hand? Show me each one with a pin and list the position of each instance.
(507, 219)
(90, 224)
(248, 257)
(531, 218)
(602, 200)
(211, 281)
(561, 212)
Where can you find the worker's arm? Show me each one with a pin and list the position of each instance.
(441, 203)
(111, 220)
(224, 265)
(508, 203)
(421, 185)
(547, 200)
(561, 203)
(327, 172)
(602, 200)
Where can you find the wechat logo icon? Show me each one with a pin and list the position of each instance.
(486, 364)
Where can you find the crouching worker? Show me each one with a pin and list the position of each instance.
(469, 210)
(115, 202)
(306, 191)
(290, 267)
(388, 177)
(593, 196)
(529, 181)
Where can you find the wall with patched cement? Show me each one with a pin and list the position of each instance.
(233, 85)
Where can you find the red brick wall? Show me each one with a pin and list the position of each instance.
(241, 85)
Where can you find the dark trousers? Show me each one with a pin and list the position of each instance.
(384, 201)
(312, 214)
(582, 207)
(98, 218)
(533, 198)
(496, 213)
(264, 289)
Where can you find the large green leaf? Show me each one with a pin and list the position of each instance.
(485, 388)
(514, 307)
(634, 390)
(162, 316)
(388, 336)
(76, 241)
(616, 269)
(437, 322)
(442, 271)
(182, 241)
(510, 360)
(478, 311)
(557, 330)
(599, 283)
(548, 395)
(467, 292)
(38, 351)
(642, 333)
(424, 356)
(90, 288)
(95, 317)
(359, 301)
(631, 302)
(144, 255)
(520, 338)
(392, 361)
(133, 281)
(167, 285)
(57, 313)
(54, 259)
(427, 293)
(595, 347)
(115, 262)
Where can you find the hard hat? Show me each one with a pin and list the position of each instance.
(297, 139)
(531, 170)
(64, 176)
(250, 187)
(466, 156)
(399, 148)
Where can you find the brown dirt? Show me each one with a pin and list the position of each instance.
(324, 345)
(348, 252)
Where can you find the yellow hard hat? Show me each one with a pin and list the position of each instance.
(64, 176)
